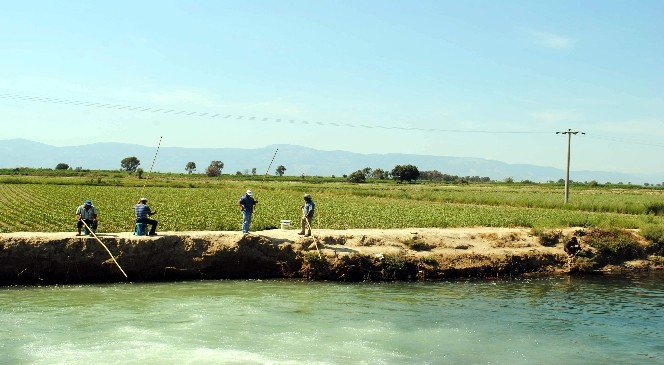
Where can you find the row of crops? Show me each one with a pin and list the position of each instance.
(50, 207)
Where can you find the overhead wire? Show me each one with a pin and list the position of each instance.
(144, 109)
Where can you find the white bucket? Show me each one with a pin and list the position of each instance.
(285, 224)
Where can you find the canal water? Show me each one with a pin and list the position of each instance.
(577, 320)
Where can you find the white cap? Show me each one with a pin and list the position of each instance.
(250, 193)
(144, 199)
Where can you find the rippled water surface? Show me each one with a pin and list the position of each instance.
(594, 320)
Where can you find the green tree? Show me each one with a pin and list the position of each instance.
(130, 164)
(62, 166)
(379, 174)
(405, 173)
(191, 167)
(139, 173)
(280, 170)
(253, 171)
(433, 175)
(358, 176)
(214, 169)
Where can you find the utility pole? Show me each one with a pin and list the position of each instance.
(569, 133)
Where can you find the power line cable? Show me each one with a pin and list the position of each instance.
(242, 117)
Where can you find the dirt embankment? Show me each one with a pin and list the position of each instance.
(344, 255)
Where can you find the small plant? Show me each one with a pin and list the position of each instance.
(548, 238)
(655, 234)
(429, 260)
(584, 264)
(417, 244)
(580, 232)
(313, 258)
(394, 262)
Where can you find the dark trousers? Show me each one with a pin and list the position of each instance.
(92, 224)
(151, 222)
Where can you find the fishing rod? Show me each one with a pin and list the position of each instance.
(270, 165)
(102, 243)
(151, 166)
(268, 168)
(149, 173)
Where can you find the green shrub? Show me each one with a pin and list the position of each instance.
(656, 208)
(314, 258)
(548, 238)
(394, 262)
(655, 234)
(614, 244)
(584, 264)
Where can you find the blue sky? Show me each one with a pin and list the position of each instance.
(487, 79)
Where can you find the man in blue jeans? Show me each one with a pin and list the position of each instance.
(308, 209)
(247, 203)
(142, 210)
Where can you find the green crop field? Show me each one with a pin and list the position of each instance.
(47, 204)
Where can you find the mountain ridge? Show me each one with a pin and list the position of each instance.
(298, 160)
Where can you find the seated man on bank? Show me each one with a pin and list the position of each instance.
(142, 210)
(86, 213)
(572, 247)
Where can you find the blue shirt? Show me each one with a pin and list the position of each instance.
(247, 203)
(142, 210)
(308, 209)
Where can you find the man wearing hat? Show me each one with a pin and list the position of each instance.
(143, 211)
(247, 203)
(307, 215)
(86, 213)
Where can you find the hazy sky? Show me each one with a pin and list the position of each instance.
(489, 79)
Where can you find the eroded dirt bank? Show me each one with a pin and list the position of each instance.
(344, 255)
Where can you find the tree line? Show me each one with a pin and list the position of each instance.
(400, 173)
(214, 169)
(410, 173)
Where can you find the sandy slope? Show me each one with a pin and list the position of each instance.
(353, 255)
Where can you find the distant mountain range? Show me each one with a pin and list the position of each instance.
(297, 160)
